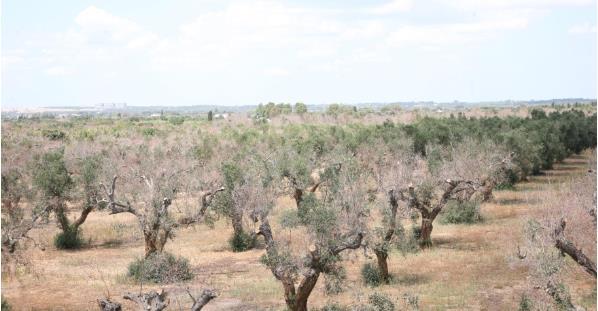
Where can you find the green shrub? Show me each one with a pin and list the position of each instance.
(54, 134)
(381, 302)
(160, 268)
(407, 240)
(69, 239)
(176, 120)
(371, 275)
(461, 213)
(5, 305)
(511, 178)
(241, 241)
(333, 281)
(417, 232)
(149, 131)
(525, 304)
(333, 307)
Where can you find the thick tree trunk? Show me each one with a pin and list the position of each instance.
(206, 296)
(107, 305)
(151, 301)
(425, 239)
(304, 290)
(298, 196)
(382, 257)
(82, 217)
(567, 247)
(486, 191)
(237, 221)
(150, 244)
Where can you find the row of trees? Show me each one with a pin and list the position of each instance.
(352, 185)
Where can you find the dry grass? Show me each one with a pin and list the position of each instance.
(467, 269)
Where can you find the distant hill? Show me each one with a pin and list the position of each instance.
(124, 109)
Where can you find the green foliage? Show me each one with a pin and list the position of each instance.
(376, 302)
(455, 212)
(160, 268)
(333, 281)
(177, 120)
(68, 239)
(508, 183)
(381, 302)
(264, 112)
(289, 219)
(5, 305)
(562, 298)
(210, 115)
(51, 176)
(90, 168)
(525, 304)
(242, 241)
(149, 131)
(336, 109)
(333, 307)
(54, 134)
(371, 275)
(407, 240)
(300, 108)
(319, 217)
(204, 150)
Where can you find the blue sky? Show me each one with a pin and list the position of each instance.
(245, 52)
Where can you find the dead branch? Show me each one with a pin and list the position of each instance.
(151, 301)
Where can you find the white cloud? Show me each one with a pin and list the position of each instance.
(58, 71)
(434, 35)
(392, 6)
(276, 72)
(11, 57)
(582, 29)
(513, 4)
(99, 26)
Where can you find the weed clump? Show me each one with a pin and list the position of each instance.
(461, 213)
(160, 268)
(371, 275)
(241, 241)
(68, 239)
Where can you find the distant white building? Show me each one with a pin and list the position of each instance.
(111, 105)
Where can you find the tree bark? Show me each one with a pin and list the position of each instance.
(305, 288)
(567, 247)
(79, 221)
(298, 196)
(151, 301)
(206, 296)
(425, 239)
(107, 305)
(150, 244)
(382, 257)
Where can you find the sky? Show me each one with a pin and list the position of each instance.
(214, 52)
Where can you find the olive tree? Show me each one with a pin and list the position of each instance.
(145, 181)
(391, 175)
(566, 228)
(16, 220)
(334, 223)
(446, 174)
(304, 171)
(248, 192)
(58, 185)
(484, 164)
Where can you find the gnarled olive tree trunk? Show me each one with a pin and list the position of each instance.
(296, 297)
(381, 248)
(155, 222)
(428, 210)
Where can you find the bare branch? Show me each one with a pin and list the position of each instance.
(567, 247)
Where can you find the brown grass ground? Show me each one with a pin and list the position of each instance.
(468, 267)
